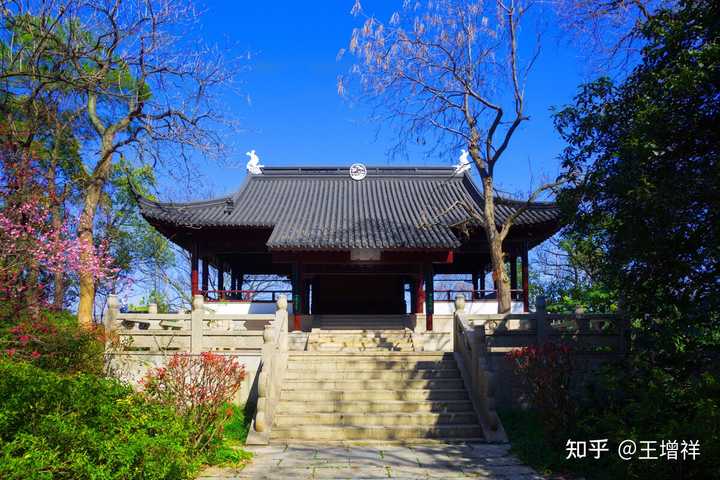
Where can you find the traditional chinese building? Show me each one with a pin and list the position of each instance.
(368, 244)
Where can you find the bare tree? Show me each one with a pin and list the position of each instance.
(609, 31)
(144, 82)
(451, 72)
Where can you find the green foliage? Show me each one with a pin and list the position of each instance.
(235, 431)
(526, 433)
(82, 426)
(648, 197)
(568, 277)
(546, 372)
(54, 341)
(638, 400)
(647, 204)
(237, 425)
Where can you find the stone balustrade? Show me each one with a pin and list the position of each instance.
(272, 372)
(481, 343)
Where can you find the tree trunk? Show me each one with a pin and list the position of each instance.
(497, 258)
(85, 229)
(85, 235)
(502, 283)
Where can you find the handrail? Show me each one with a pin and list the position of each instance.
(470, 353)
(242, 295)
(271, 374)
(449, 295)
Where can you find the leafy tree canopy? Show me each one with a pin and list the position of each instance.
(648, 194)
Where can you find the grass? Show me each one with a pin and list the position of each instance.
(235, 431)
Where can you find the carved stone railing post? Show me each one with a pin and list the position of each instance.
(113, 310)
(460, 303)
(261, 420)
(152, 308)
(196, 324)
(541, 327)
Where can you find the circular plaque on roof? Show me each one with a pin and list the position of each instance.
(358, 171)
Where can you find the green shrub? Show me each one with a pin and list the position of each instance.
(198, 387)
(83, 426)
(55, 342)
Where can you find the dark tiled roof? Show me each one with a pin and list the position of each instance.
(323, 208)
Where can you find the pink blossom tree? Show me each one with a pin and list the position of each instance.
(32, 247)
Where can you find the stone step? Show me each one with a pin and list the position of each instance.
(352, 384)
(378, 365)
(358, 338)
(351, 374)
(372, 433)
(372, 395)
(359, 343)
(379, 332)
(375, 419)
(388, 406)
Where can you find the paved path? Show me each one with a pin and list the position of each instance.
(435, 461)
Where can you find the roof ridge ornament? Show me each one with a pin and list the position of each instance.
(464, 164)
(358, 171)
(253, 165)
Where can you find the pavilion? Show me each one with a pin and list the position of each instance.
(351, 245)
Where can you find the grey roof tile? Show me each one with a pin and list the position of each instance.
(323, 208)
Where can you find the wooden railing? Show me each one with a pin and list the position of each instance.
(449, 295)
(272, 373)
(257, 296)
(193, 332)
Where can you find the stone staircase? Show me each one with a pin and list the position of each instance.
(374, 396)
(359, 322)
(360, 341)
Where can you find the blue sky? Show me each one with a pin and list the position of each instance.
(295, 116)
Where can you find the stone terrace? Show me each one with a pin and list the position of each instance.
(427, 461)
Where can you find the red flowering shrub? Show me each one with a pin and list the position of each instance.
(55, 342)
(199, 388)
(546, 372)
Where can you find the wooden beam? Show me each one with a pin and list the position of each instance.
(387, 257)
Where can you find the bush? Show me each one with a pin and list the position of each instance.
(199, 388)
(638, 401)
(55, 342)
(83, 426)
(546, 372)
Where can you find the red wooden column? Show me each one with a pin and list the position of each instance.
(419, 294)
(429, 298)
(221, 280)
(194, 263)
(525, 279)
(482, 283)
(513, 275)
(297, 296)
(205, 275)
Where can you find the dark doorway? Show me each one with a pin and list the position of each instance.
(358, 295)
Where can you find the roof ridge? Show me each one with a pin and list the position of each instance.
(344, 170)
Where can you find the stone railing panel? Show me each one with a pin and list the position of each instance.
(272, 373)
